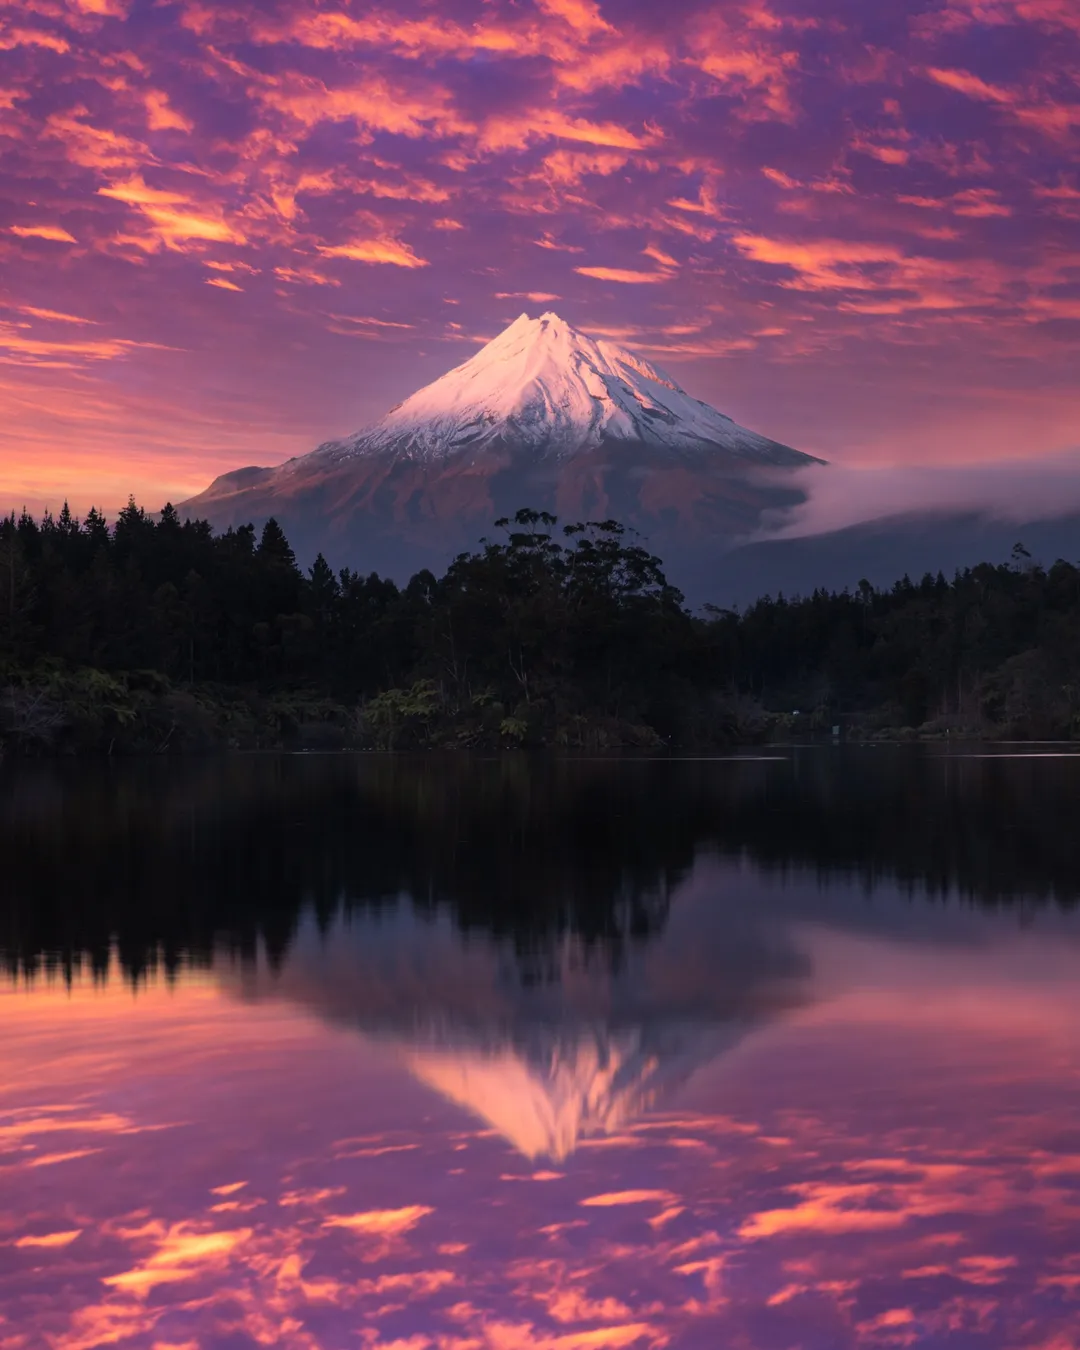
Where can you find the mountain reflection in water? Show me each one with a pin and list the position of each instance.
(546, 1063)
(516, 1055)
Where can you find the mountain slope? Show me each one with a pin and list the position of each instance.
(541, 416)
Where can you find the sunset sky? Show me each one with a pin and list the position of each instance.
(229, 232)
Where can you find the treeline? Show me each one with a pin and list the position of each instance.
(156, 634)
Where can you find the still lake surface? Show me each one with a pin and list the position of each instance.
(512, 1054)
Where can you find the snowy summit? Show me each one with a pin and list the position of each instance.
(543, 386)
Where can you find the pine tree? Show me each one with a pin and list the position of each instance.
(273, 545)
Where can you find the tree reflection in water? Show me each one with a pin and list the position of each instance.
(169, 861)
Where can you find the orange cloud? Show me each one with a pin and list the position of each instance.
(51, 1159)
(384, 249)
(305, 276)
(1053, 119)
(979, 202)
(885, 154)
(380, 1221)
(624, 275)
(524, 1336)
(54, 315)
(1050, 116)
(586, 51)
(906, 1191)
(892, 280)
(375, 103)
(582, 15)
(515, 132)
(417, 1283)
(537, 297)
(613, 1198)
(750, 64)
(375, 323)
(115, 9)
(10, 38)
(556, 245)
(970, 202)
(614, 67)
(966, 83)
(658, 255)
(50, 1241)
(223, 284)
(411, 190)
(160, 114)
(823, 264)
(21, 349)
(94, 147)
(181, 1252)
(412, 38)
(174, 218)
(704, 204)
(571, 166)
(1048, 14)
(216, 266)
(778, 177)
(51, 232)
(32, 1126)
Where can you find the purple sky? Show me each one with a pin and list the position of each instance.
(228, 232)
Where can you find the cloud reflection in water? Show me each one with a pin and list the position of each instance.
(863, 1139)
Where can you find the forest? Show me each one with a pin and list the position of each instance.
(154, 634)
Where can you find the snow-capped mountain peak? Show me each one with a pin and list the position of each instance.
(542, 415)
(543, 386)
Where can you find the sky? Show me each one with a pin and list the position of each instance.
(229, 232)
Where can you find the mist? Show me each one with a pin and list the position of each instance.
(840, 496)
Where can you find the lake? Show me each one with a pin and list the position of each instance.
(767, 1051)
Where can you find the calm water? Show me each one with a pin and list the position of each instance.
(519, 1055)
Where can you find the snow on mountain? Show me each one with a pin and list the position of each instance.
(549, 388)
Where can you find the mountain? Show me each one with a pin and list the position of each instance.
(541, 416)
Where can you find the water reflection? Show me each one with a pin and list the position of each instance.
(327, 1053)
(169, 861)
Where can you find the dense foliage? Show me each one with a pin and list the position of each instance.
(156, 633)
